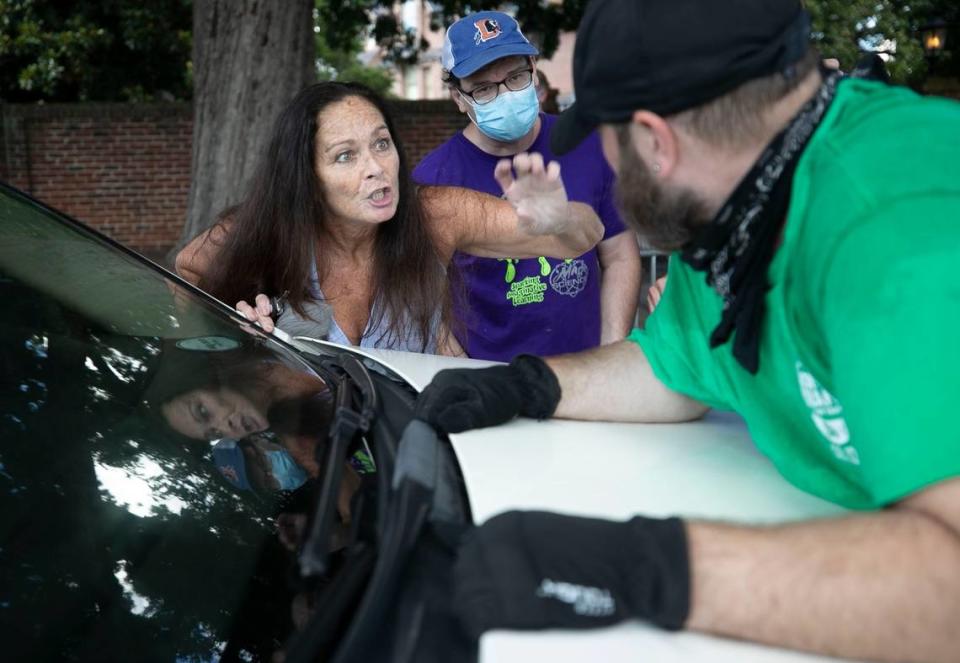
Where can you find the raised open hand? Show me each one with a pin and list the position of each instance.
(537, 192)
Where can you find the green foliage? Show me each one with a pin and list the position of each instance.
(341, 29)
(108, 50)
(844, 30)
(140, 49)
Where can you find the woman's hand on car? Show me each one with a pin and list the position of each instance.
(259, 313)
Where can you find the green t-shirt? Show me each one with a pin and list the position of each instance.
(858, 392)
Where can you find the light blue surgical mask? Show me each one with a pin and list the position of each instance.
(288, 474)
(508, 117)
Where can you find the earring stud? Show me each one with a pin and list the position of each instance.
(656, 168)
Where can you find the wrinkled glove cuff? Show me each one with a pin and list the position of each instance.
(660, 586)
(540, 385)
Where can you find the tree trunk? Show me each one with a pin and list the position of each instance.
(250, 57)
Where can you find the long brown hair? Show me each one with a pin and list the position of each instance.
(278, 228)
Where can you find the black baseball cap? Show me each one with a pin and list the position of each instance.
(666, 56)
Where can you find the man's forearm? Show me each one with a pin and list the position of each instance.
(619, 258)
(583, 230)
(615, 383)
(884, 586)
(619, 293)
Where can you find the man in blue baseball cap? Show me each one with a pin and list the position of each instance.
(533, 305)
(258, 463)
(813, 289)
(231, 463)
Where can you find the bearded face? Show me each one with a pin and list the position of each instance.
(666, 219)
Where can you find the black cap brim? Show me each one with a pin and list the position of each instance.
(569, 131)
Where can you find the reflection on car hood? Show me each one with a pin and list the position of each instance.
(706, 469)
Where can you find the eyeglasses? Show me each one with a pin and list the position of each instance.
(484, 94)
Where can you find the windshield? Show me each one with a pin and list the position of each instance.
(158, 459)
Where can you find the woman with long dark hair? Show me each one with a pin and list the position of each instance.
(333, 223)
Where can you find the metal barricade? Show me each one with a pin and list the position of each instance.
(653, 265)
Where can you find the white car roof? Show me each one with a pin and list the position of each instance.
(705, 469)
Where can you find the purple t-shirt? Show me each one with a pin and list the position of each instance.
(541, 306)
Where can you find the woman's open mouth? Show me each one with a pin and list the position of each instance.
(381, 197)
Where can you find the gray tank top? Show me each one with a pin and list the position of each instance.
(321, 325)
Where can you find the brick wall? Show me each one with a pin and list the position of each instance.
(125, 168)
(423, 125)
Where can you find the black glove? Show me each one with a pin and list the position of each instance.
(459, 399)
(533, 570)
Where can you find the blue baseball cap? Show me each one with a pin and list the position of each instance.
(228, 457)
(476, 40)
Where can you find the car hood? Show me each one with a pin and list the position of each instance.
(707, 469)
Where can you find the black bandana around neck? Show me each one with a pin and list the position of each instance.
(736, 248)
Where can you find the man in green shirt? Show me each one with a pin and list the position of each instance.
(813, 290)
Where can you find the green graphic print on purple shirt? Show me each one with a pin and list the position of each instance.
(540, 305)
